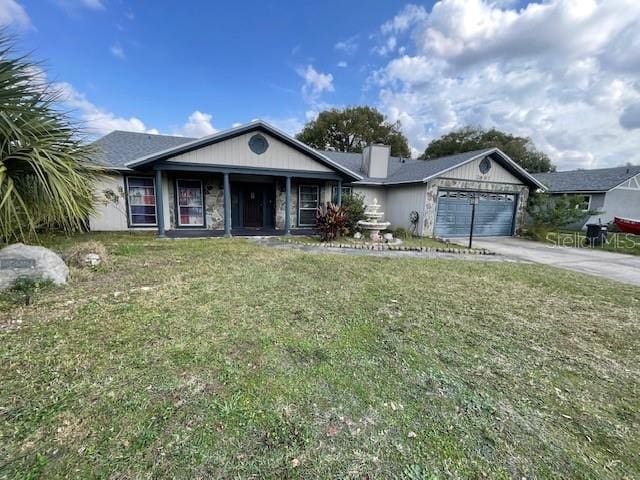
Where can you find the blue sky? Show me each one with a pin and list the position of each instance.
(563, 72)
(238, 62)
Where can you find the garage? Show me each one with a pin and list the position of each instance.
(494, 216)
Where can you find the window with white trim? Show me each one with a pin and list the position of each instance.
(334, 192)
(141, 195)
(308, 203)
(190, 206)
(585, 203)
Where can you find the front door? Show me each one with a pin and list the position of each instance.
(253, 211)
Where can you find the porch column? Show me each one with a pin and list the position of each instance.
(159, 204)
(227, 205)
(339, 192)
(287, 207)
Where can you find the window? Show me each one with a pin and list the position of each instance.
(308, 202)
(258, 144)
(190, 207)
(141, 194)
(584, 203)
(334, 193)
(485, 165)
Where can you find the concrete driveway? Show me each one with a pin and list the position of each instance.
(616, 266)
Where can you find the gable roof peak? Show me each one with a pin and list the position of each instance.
(194, 144)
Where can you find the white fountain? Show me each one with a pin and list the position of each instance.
(373, 223)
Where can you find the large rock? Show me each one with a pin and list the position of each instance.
(26, 261)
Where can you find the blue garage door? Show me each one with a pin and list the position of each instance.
(494, 214)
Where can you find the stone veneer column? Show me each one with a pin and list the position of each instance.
(287, 207)
(159, 204)
(227, 205)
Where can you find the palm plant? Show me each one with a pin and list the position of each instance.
(46, 174)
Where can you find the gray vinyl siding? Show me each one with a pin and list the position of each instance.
(401, 201)
(621, 203)
(112, 217)
(471, 171)
(236, 152)
(373, 193)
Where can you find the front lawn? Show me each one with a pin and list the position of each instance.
(222, 359)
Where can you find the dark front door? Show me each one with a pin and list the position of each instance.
(253, 213)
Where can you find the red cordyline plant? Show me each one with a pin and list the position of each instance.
(331, 222)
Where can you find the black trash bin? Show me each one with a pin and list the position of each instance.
(596, 234)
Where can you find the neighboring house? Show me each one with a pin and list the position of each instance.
(255, 177)
(613, 192)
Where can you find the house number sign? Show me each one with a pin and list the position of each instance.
(11, 263)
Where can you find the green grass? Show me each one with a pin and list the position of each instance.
(221, 359)
(616, 242)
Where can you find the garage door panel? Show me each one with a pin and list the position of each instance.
(494, 214)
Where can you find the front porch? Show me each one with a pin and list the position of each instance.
(251, 179)
(206, 202)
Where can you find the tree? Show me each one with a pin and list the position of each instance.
(352, 129)
(46, 177)
(520, 149)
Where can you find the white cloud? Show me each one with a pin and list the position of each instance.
(388, 47)
(563, 72)
(408, 16)
(290, 125)
(98, 121)
(198, 125)
(472, 31)
(13, 14)
(117, 51)
(348, 46)
(343, 64)
(315, 82)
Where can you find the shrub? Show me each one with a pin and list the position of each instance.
(354, 207)
(75, 255)
(331, 222)
(549, 213)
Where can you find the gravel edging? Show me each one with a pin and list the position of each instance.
(392, 248)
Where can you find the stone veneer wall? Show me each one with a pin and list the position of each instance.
(431, 203)
(325, 194)
(213, 202)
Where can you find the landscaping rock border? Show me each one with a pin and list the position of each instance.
(396, 248)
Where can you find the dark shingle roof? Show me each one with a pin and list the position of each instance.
(403, 169)
(118, 147)
(599, 180)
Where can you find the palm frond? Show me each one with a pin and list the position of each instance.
(46, 173)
